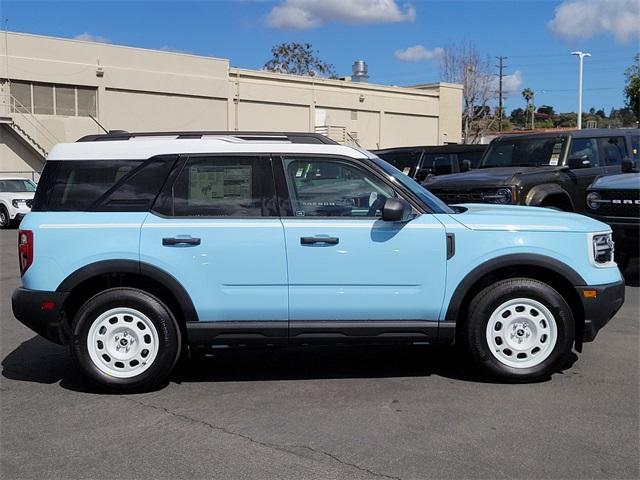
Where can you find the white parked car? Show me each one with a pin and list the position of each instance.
(16, 196)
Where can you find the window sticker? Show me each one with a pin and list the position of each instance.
(208, 182)
(555, 154)
(406, 170)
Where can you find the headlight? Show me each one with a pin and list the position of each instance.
(500, 196)
(16, 203)
(593, 200)
(602, 249)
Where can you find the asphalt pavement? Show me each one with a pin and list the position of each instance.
(320, 413)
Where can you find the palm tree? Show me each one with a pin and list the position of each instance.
(528, 95)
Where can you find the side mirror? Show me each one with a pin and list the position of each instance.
(422, 174)
(396, 210)
(579, 161)
(465, 165)
(628, 165)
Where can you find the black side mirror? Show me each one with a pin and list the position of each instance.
(579, 161)
(628, 165)
(396, 210)
(422, 174)
(465, 165)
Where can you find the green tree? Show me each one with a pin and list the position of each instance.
(528, 94)
(518, 116)
(632, 87)
(298, 59)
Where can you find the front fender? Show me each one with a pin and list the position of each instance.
(537, 194)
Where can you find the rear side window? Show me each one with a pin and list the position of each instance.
(221, 186)
(613, 150)
(101, 185)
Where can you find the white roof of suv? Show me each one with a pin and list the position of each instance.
(146, 146)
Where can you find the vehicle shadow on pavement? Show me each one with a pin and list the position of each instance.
(40, 361)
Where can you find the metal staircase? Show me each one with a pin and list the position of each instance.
(26, 126)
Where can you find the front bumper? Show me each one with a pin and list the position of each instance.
(600, 309)
(27, 308)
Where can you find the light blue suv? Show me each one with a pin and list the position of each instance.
(140, 246)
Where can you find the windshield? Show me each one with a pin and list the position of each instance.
(17, 186)
(404, 160)
(433, 203)
(524, 152)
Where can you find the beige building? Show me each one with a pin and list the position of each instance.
(60, 90)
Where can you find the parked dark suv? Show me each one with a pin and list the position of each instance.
(616, 200)
(421, 162)
(542, 169)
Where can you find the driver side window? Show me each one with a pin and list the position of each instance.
(326, 187)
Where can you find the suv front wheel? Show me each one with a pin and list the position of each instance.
(125, 340)
(519, 330)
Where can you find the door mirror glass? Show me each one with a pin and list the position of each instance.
(396, 210)
(628, 165)
(579, 161)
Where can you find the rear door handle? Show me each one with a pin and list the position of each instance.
(180, 241)
(312, 240)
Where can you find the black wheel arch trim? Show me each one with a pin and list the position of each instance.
(138, 268)
(516, 259)
(539, 193)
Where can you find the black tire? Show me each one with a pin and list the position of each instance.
(489, 300)
(5, 221)
(168, 333)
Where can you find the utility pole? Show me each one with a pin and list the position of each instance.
(580, 56)
(501, 66)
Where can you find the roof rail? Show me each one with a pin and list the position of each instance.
(292, 137)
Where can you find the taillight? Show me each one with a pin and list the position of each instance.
(25, 249)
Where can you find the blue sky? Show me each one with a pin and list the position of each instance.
(536, 36)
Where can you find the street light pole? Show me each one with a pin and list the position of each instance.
(580, 56)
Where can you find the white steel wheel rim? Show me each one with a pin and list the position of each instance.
(123, 342)
(521, 333)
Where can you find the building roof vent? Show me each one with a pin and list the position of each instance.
(360, 71)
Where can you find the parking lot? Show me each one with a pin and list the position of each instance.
(338, 412)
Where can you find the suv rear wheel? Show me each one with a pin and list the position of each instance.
(5, 221)
(519, 330)
(125, 340)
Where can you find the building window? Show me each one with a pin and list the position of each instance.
(21, 97)
(43, 99)
(49, 99)
(66, 101)
(86, 101)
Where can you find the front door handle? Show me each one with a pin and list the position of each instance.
(180, 241)
(325, 240)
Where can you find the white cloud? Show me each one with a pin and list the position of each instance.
(88, 37)
(305, 14)
(418, 53)
(581, 19)
(511, 84)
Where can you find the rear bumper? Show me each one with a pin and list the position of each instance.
(27, 308)
(600, 309)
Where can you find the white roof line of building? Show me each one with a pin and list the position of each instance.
(141, 150)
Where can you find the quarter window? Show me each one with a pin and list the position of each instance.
(334, 188)
(220, 186)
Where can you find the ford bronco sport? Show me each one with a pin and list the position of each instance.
(140, 246)
(541, 169)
